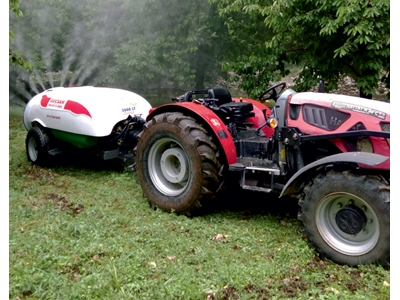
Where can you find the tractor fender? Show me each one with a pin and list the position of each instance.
(360, 158)
(209, 119)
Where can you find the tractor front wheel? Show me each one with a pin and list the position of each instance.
(177, 163)
(346, 216)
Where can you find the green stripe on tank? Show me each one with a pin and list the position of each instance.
(76, 140)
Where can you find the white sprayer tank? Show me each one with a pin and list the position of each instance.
(87, 110)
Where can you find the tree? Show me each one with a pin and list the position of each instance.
(15, 57)
(165, 47)
(253, 64)
(328, 38)
(62, 46)
(131, 44)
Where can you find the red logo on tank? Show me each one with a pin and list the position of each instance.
(72, 106)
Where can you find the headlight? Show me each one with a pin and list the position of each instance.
(272, 122)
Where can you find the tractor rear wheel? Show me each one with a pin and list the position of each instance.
(346, 216)
(177, 163)
(37, 146)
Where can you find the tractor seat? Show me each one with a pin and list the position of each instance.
(238, 111)
(223, 95)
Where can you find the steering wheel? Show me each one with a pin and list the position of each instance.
(273, 92)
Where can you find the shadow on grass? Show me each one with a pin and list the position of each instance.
(83, 161)
(249, 203)
(232, 200)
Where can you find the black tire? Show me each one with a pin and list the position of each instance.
(177, 163)
(346, 217)
(37, 146)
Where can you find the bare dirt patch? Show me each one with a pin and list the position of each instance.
(65, 204)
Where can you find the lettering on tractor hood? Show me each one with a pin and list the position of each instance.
(358, 108)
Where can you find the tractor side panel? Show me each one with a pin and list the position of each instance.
(214, 123)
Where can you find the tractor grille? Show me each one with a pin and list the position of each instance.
(315, 116)
(324, 117)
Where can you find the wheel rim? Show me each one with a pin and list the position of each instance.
(168, 167)
(347, 223)
(32, 149)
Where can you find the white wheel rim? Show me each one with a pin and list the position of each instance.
(32, 149)
(169, 167)
(349, 244)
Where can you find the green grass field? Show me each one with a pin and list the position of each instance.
(82, 230)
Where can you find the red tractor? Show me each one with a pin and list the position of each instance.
(330, 151)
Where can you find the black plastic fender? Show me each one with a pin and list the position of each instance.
(363, 158)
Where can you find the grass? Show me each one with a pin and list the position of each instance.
(82, 230)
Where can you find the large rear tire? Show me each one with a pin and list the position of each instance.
(37, 146)
(346, 216)
(177, 163)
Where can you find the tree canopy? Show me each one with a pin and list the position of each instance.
(15, 57)
(175, 45)
(121, 43)
(327, 38)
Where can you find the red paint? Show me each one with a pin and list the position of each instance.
(259, 117)
(45, 100)
(72, 106)
(380, 145)
(209, 117)
(76, 108)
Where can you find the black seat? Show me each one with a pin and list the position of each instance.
(238, 110)
(223, 95)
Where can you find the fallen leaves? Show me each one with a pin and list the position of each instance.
(385, 283)
(171, 258)
(219, 237)
(335, 291)
(65, 204)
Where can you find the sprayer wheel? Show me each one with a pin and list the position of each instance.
(37, 146)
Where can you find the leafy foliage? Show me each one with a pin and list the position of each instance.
(51, 35)
(123, 43)
(161, 46)
(150, 44)
(253, 65)
(15, 57)
(328, 38)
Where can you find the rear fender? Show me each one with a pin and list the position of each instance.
(209, 119)
(34, 122)
(360, 158)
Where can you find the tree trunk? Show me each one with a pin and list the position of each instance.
(12, 81)
(201, 66)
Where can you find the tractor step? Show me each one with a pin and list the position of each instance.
(256, 188)
(244, 164)
(57, 151)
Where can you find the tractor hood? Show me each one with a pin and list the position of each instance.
(87, 110)
(378, 109)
